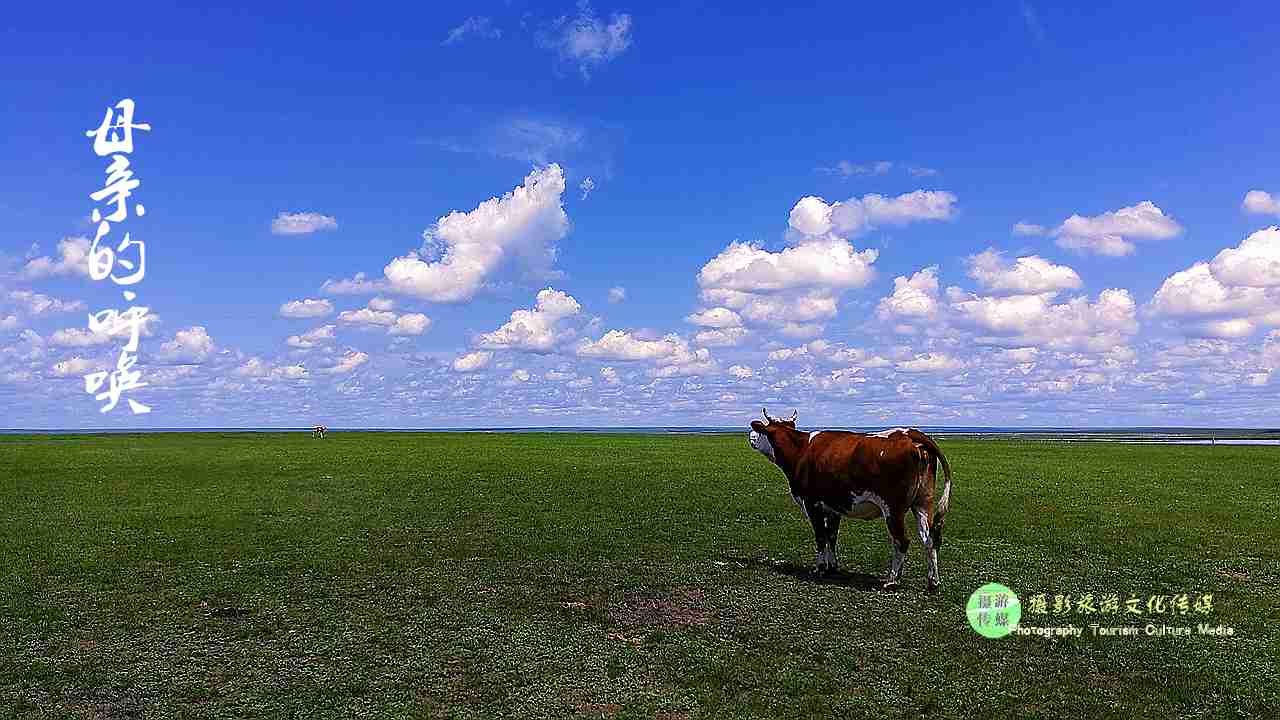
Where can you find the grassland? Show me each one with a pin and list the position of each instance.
(529, 576)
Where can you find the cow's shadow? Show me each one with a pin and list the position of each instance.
(806, 573)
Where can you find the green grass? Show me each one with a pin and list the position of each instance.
(560, 575)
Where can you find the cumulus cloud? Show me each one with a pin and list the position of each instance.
(1023, 320)
(913, 298)
(72, 259)
(586, 186)
(1254, 263)
(303, 223)
(367, 316)
(929, 363)
(75, 366)
(670, 355)
(1261, 203)
(371, 317)
(831, 263)
(610, 376)
(463, 250)
(472, 361)
(322, 335)
(617, 294)
(741, 372)
(346, 364)
(36, 304)
(721, 337)
(410, 324)
(121, 329)
(306, 308)
(1025, 276)
(477, 26)
(1114, 233)
(856, 216)
(190, 346)
(539, 329)
(1234, 296)
(587, 40)
(719, 317)
(260, 369)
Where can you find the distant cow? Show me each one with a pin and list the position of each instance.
(319, 431)
(834, 474)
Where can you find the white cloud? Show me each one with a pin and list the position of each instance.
(610, 376)
(1255, 263)
(9, 322)
(520, 375)
(258, 368)
(72, 259)
(670, 356)
(741, 372)
(617, 294)
(1026, 229)
(75, 366)
(538, 329)
(913, 298)
(830, 263)
(929, 363)
(855, 216)
(1114, 233)
(410, 324)
(1028, 275)
(587, 41)
(719, 317)
(382, 304)
(1261, 202)
(351, 360)
(322, 335)
(1234, 296)
(472, 361)
(586, 186)
(306, 308)
(122, 328)
(721, 337)
(367, 316)
(37, 304)
(1035, 320)
(475, 26)
(303, 223)
(190, 346)
(464, 249)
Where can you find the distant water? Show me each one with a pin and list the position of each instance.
(1168, 436)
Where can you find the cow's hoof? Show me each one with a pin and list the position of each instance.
(890, 585)
(931, 588)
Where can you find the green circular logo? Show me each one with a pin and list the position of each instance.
(994, 610)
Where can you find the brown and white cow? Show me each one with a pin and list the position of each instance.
(835, 474)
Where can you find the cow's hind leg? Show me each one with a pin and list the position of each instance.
(820, 519)
(898, 539)
(833, 534)
(930, 548)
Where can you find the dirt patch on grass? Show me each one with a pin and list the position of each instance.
(682, 607)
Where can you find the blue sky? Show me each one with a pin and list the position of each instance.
(879, 215)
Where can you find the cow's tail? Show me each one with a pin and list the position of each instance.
(943, 502)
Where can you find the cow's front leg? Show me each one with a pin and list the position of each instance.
(897, 539)
(822, 560)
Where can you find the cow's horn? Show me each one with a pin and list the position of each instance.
(766, 414)
(794, 414)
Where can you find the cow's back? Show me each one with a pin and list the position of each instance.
(838, 465)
